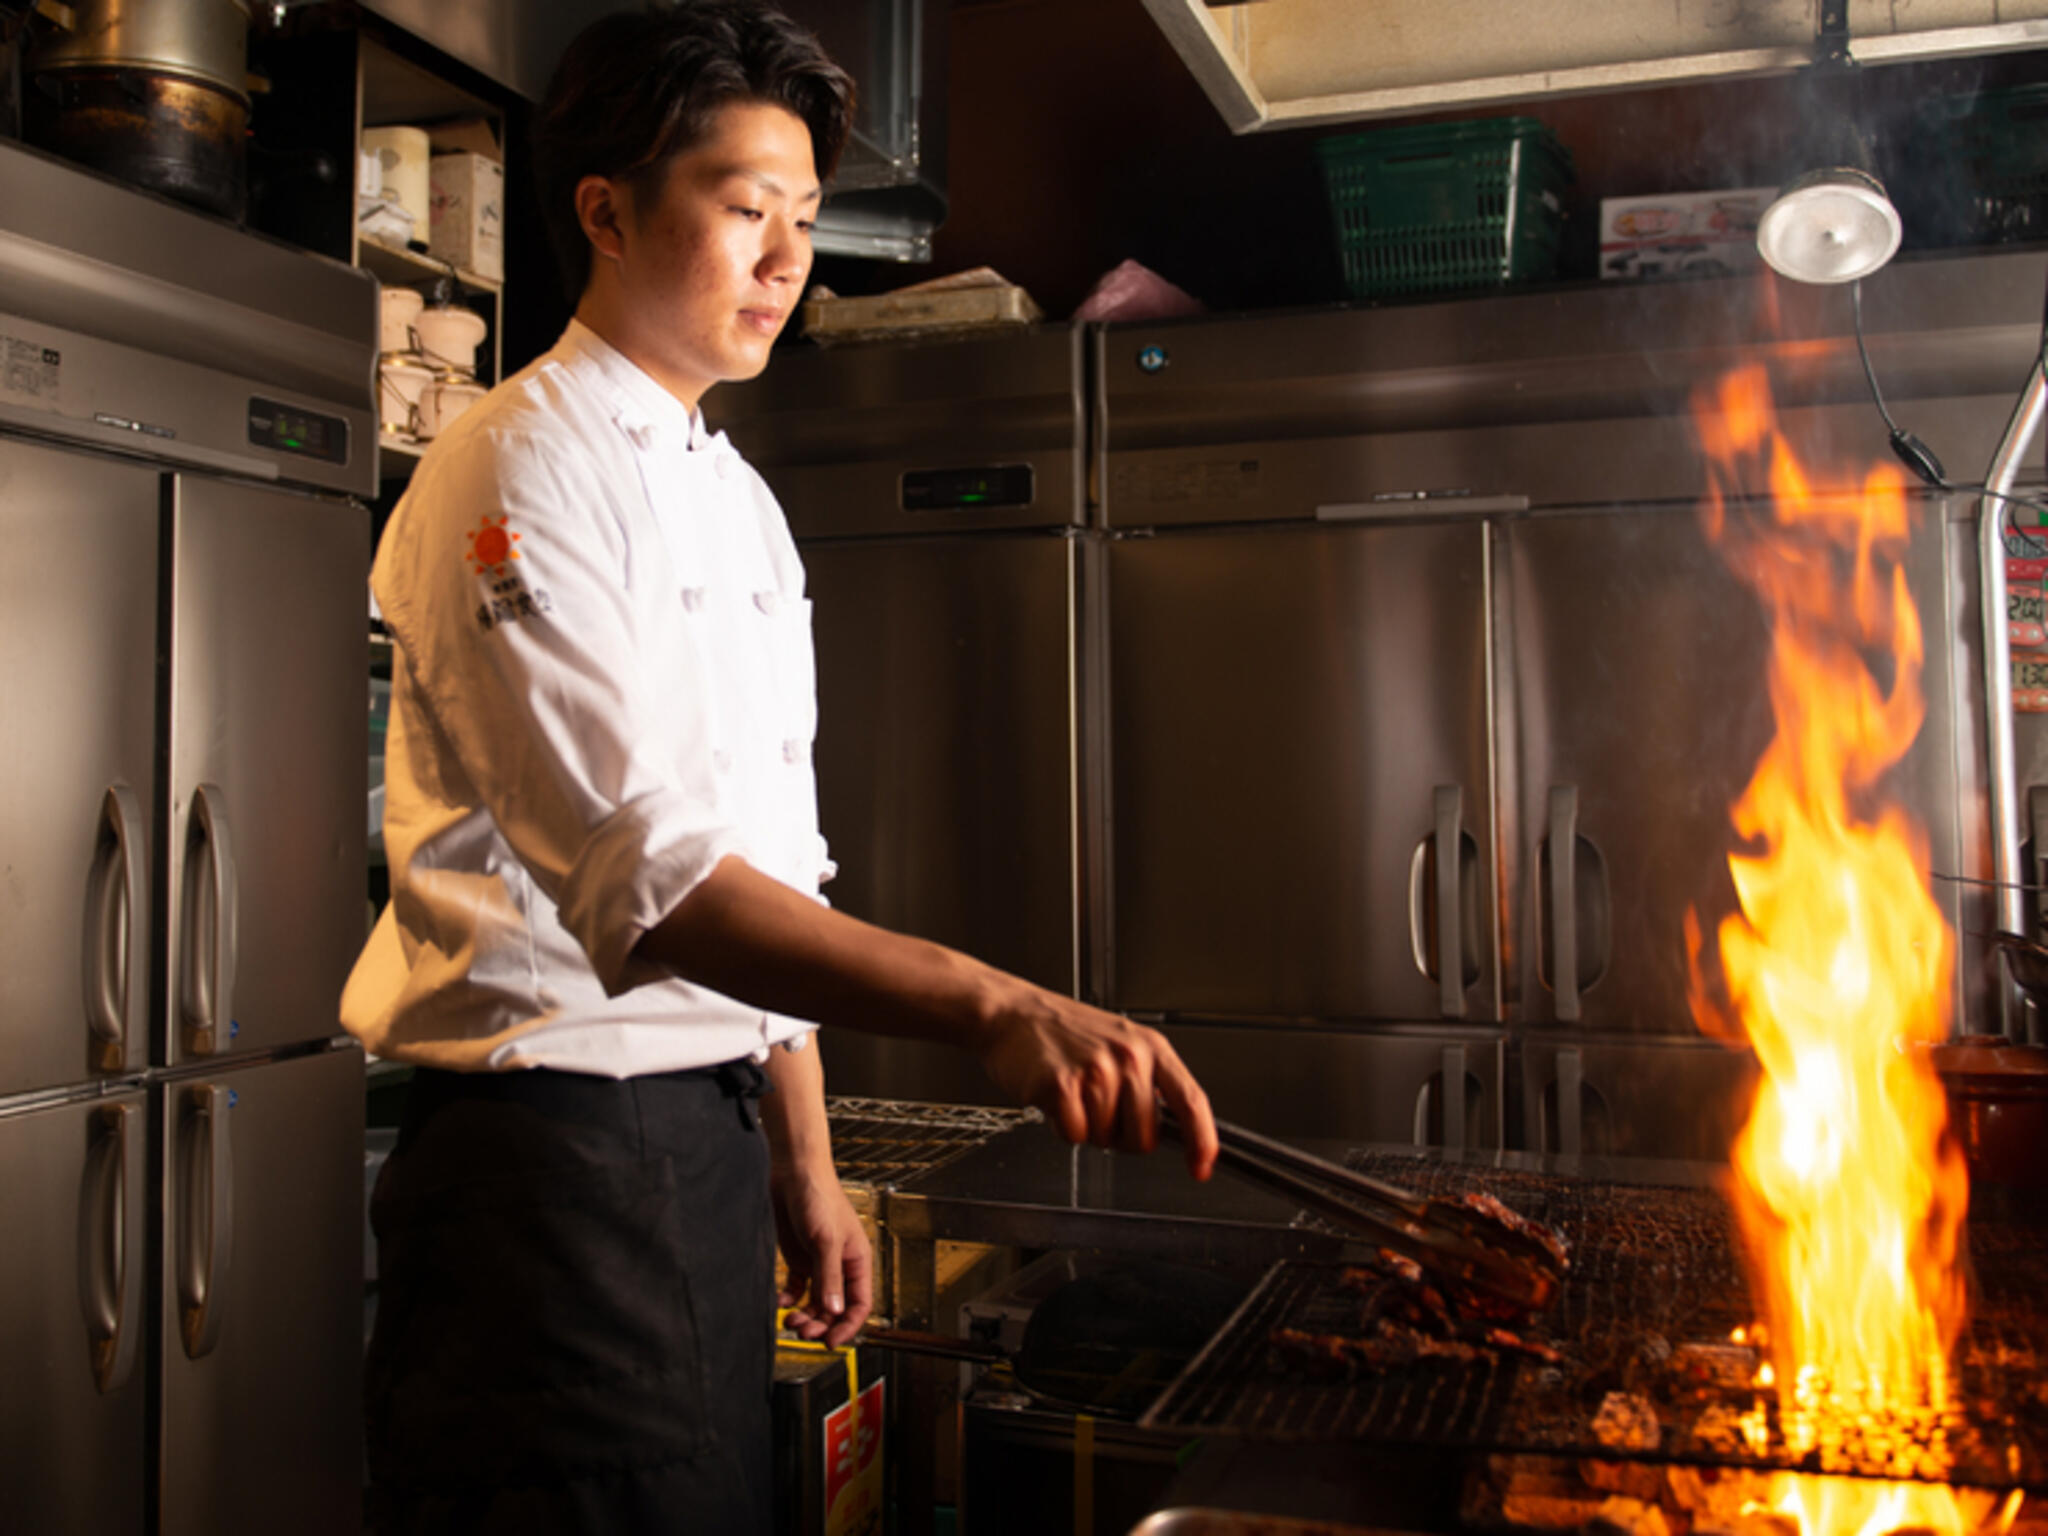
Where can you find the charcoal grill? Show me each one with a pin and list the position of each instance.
(1655, 1291)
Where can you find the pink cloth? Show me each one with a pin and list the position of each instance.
(1129, 291)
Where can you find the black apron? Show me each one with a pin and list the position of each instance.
(575, 1314)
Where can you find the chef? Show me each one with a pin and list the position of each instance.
(606, 950)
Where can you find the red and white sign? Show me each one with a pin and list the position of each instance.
(853, 1466)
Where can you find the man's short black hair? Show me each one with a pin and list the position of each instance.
(636, 88)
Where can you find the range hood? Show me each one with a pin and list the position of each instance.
(1293, 63)
(889, 195)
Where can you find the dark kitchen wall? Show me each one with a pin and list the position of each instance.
(1078, 138)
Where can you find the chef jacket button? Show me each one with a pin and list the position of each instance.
(768, 602)
(722, 760)
(693, 599)
(792, 751)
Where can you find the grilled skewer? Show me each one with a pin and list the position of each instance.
(1481, 1250)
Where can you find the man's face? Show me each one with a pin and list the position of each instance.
(714, 253)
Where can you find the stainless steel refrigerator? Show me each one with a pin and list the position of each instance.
(936, 492)
(186, 415)
(1429, 698)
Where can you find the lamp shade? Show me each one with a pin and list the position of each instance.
(1830, 226)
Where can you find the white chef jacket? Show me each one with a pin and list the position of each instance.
(602, 686)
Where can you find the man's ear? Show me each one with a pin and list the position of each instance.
(601, 210)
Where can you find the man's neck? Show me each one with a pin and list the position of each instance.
(602, 313)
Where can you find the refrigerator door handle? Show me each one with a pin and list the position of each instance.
(206, 1224)
(1579, 952)
(112, 888)
(1564, 905)
(1444, 848)
(1448, 1086)
(109, 1292)
(1571, 1108)
(207, 968)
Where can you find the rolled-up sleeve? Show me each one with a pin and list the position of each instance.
(521, 606)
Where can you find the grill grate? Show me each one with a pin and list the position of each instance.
(879, 1143)
(1655, 1290)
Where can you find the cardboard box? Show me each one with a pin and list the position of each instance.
(466, 213)
(1693, 234)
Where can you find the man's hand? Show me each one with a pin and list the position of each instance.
(1096, 1076)
(831, 1285)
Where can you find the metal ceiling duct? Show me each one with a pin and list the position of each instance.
(1291, 63)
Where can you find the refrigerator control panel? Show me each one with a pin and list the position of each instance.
(967, 490)
(292, 429)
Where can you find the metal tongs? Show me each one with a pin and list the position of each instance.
(1499, 1261)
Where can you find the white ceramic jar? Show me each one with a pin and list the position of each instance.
(446, 398)
(402, 380)
(449, 336)
(397, 309)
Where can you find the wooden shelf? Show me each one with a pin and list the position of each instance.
(396, 266)
(396, 457)
(396, 90)
(390, 89)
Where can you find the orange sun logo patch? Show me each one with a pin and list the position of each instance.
(491, 546)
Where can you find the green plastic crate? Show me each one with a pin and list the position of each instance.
(1446, 206)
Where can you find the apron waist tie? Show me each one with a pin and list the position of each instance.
(744, 1082)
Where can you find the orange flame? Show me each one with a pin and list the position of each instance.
(1850, 1197)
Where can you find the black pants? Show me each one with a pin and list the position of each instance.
(575, 1317)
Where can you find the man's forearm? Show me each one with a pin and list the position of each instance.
(1093, 1074)
(794, 1114)
(751, 937)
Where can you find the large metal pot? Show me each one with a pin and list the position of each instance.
(151, 91)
